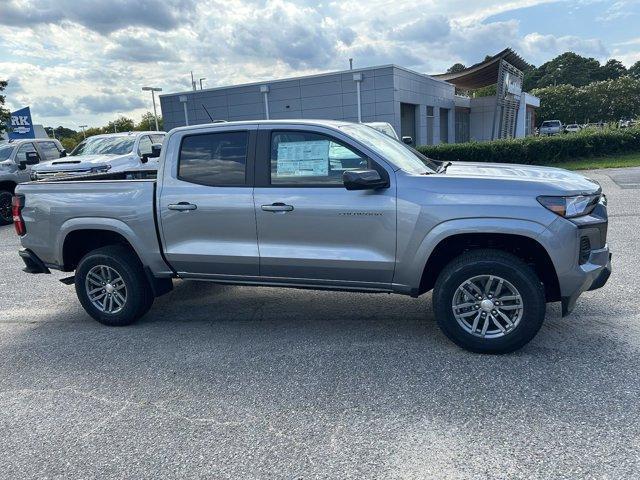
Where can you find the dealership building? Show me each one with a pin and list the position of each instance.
(430, 109)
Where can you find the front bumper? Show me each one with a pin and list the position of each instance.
(594, 275)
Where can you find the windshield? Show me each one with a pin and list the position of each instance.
(398, 153)
(5, 151)
(551, 124)
(384, 128)
(104, 146)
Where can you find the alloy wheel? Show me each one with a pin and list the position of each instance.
(106, 289)
(487, 306)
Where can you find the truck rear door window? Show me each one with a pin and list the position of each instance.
(214, 159)
(50, 150)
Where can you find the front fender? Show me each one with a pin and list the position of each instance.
(412, 261)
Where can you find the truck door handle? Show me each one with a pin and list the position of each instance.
(277, 207)
(182, 206)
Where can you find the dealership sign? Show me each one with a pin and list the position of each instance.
(21, 124)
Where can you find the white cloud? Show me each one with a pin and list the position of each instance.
(538, 48)
(90, 59)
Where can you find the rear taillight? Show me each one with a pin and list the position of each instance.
(16, 210)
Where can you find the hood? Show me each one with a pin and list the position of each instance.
(562, 181)
(77, 163)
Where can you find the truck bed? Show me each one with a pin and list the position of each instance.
(120, 202)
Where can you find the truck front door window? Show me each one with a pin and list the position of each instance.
(144, 146)
(23, 150)
(301, 158)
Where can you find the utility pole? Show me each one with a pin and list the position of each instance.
(351, 64)
(153, 97)
(203, 78)
(84, 135)
(193, 82)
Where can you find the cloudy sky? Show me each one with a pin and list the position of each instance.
(85, 61)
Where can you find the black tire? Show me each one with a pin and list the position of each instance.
(139, 295)
(511, 269)
(5, 207)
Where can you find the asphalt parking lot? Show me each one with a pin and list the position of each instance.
(239, 382)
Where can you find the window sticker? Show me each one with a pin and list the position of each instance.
(303, 159)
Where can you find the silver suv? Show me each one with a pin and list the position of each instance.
(551, 127)
(16, 160)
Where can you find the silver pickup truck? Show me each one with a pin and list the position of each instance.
(325, 205)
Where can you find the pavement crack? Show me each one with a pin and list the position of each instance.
(124, 404)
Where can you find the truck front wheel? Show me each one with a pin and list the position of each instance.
(112, 287)
(489, 301)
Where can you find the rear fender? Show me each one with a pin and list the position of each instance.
(143, 251)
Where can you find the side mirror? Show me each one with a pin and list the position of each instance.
(156, 148)
(363, 180)
(408, 140)
(155, 153)
(31, 158)
(63, 153)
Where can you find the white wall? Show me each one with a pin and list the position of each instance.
(481, 118)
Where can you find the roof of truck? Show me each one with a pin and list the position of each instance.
(16, 141)
(289, 121)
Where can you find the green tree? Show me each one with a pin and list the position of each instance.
(69, 143)
(569, 69)
(122, 124)
(634, 70)
(607, 101)
(148, 122)
(4, 113)
(456, 67)
(612, 69)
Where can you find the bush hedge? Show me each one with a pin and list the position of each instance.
(540, 150)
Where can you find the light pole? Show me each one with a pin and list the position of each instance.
(203, 78)
(84, 135)
(153, 97)
(183, 100)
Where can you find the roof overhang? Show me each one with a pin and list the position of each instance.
(484, 73)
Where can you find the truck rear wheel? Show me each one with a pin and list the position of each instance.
(112, 287)
(5, 207)
(489, 301)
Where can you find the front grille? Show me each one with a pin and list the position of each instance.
(585, 250)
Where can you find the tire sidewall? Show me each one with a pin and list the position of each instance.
(131, 309)
(520, 276)
(3, 195)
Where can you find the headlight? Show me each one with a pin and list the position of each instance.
(100, 169)
(570, 207)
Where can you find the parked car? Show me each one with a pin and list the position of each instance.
(385, 128)
(264, 203)
(551, 127)
(572, 128)
(103, 153)
(16, 160)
